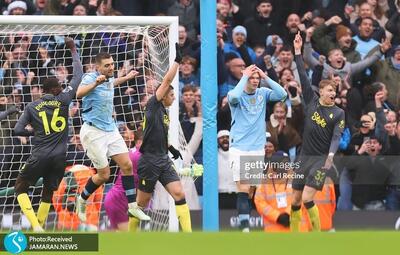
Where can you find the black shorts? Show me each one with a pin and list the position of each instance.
(152, 169)
(311, 169)
(51, 168)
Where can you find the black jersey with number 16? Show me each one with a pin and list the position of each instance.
(48, 116)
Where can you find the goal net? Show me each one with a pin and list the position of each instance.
(35, 49)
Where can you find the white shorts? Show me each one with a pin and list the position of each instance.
(234, 160)
(99, 145)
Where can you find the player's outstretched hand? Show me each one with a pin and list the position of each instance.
(175, 153)
(100, 79)
(69, 42)
(178, 57)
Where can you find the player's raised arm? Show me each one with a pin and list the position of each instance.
(77, 72)
(278, 92)
(305, 82)
(9, 111)
(234, 94)
(163, 89)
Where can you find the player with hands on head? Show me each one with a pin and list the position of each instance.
(248, 102)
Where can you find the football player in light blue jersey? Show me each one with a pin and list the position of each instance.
(100, 136)
(248, 105)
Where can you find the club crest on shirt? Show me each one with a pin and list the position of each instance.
(166, 120)
(331, 115)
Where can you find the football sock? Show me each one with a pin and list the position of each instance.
(243, 207)
(183, 213)
(90, 187)
(42, 212)
(133, 224)
(313, 213)
(128, 182)
(26, 206)
(295, 218)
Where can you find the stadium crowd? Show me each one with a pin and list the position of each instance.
(356, 43)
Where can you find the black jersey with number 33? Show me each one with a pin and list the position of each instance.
(48, 116)
(323, 124)
(156, 124)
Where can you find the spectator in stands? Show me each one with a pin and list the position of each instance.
(16, 8)
(187, 45)
(79, 10)
(187, 74)
(239, 47)
(371, 176)
(40, 6)
(393, 24)
(369, 97)
(388, 72)
(234, 74)
(188, 13)
(285, 60)
(188, 110)
(364, 36)
(323, 42)
(262, 24)
(376, 31)
(337, 64)
(283, 134)
(293, 25)
(226, 186)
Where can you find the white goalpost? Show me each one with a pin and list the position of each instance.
(32, 48)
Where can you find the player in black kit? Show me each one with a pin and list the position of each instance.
(47, 120)
(154, 164)
(324, 124)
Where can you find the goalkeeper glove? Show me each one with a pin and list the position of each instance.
(284, 220)
(197, 169)
(175, 153)
(178, 57)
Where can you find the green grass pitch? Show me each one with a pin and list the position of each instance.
(230, 243)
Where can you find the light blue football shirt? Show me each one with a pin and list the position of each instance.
(98, 105)
(248, 114)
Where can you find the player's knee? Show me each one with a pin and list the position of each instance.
(306, 198)
(296, 198)
(178, 194)
(126, 167)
